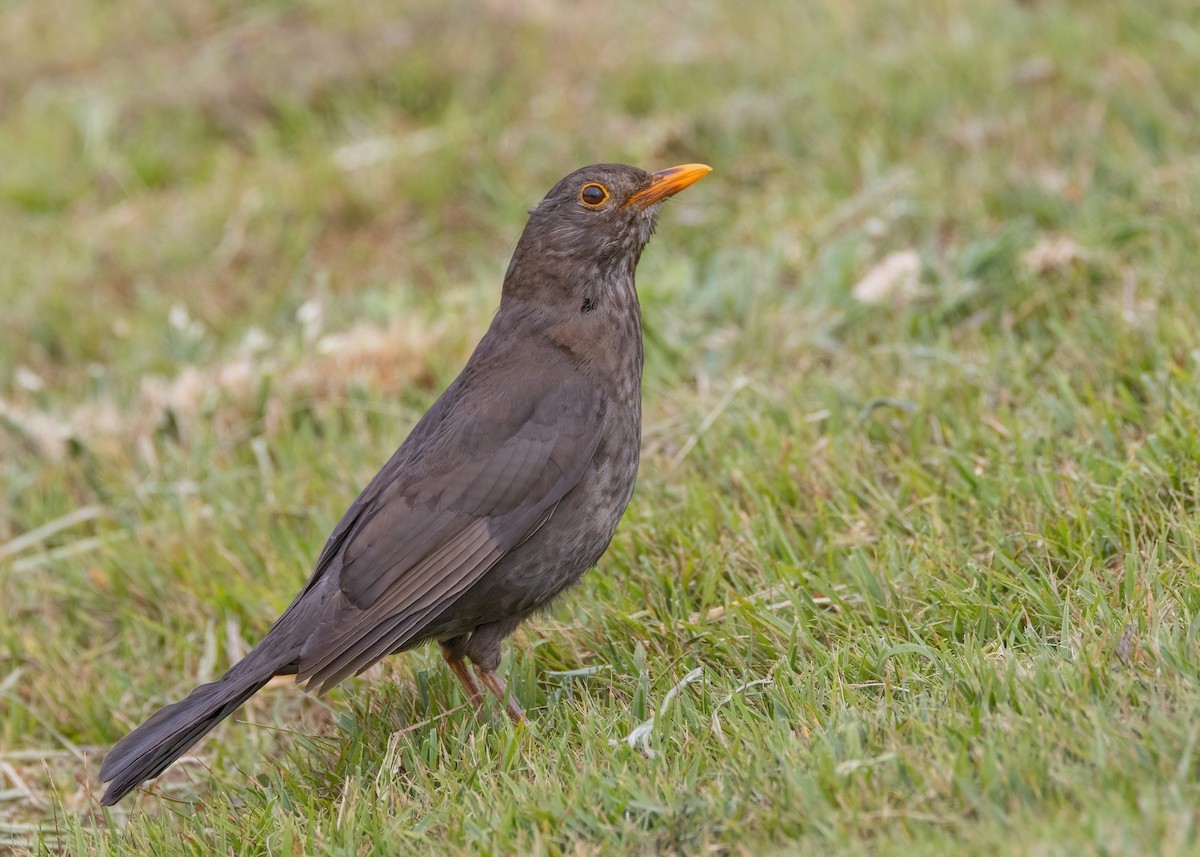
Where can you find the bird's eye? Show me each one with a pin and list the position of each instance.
(593, 195)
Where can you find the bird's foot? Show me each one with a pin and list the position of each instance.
(496, 685)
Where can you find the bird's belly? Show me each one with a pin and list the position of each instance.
(560, 551)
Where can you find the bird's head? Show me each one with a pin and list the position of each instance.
(593, 225)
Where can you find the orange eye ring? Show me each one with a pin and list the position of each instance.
(593, 195)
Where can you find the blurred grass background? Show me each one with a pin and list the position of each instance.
(919, 491)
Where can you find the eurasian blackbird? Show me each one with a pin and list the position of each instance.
(505, 492)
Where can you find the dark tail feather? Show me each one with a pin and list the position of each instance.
(147, 751)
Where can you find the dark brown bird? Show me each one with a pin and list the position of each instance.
(505, 492)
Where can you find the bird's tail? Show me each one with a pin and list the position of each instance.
(147, 751)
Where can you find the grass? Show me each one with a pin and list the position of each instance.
(904, 575)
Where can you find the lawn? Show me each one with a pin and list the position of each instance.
(912, 564)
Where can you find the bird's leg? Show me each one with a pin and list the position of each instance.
(483, 648)
(463, 672)
(496, 685)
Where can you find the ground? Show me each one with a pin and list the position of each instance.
(912, 563)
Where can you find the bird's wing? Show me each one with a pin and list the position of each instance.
(442, 514)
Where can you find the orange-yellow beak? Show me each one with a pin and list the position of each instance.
(668, 182)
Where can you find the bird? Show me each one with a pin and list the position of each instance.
(504, 493)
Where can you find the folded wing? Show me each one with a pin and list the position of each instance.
(440, 515)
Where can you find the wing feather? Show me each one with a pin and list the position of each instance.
(478, 485)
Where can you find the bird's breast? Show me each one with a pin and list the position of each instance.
(572, 539)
